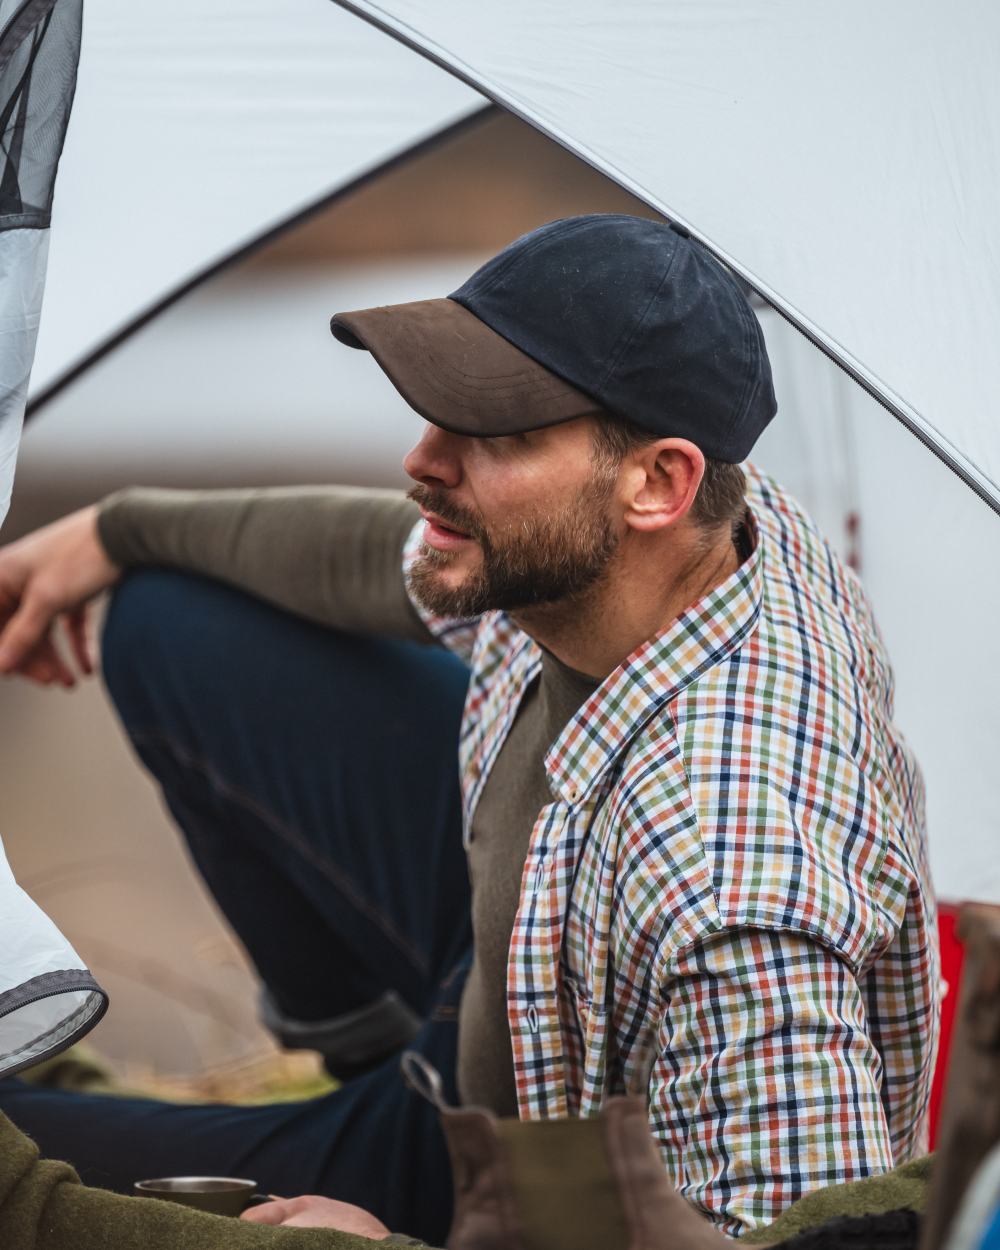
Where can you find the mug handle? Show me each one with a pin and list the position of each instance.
(258, 1200)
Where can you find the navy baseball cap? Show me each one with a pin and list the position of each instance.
(603, 313)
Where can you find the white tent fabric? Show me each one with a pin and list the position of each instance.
(199, 125)
(842, 159)
(22, 277)
(48, 998)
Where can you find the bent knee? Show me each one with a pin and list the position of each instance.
(155, 623)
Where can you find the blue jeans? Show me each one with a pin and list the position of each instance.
(315, 777)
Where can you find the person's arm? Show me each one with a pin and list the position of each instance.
(332, 554)
(767, 1084)
(43, 1206)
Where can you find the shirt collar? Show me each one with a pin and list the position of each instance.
(711, 629)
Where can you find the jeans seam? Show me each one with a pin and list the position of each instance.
(289, 835)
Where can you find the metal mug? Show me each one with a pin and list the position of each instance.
(218, 1195)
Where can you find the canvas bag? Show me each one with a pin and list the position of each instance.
(572, 1184)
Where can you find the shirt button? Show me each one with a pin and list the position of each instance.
(572, 794)
(531, 1015)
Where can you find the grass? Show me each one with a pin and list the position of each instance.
(276, 1076)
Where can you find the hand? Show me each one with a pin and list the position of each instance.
(311, 1211)
(50, 574)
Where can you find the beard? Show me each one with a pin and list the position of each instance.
(542, 558)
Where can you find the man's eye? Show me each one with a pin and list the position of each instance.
(514, 440)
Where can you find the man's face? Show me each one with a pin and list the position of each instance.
(511, 522)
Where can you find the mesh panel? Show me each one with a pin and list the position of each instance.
(39, 49)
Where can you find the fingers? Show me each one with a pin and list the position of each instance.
(77, 624)
(23, 632)
(53, 572)
(273, 1212)
(46, 667)
(34, 655)
(313, 1211)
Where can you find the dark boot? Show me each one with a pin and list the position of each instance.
(351, 1044)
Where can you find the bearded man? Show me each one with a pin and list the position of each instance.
(695, 839)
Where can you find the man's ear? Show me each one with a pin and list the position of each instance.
(660, 482)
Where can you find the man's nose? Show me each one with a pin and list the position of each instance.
(435, 460)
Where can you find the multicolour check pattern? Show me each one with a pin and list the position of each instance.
(727, 903)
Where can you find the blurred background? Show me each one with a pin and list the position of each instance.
(241, 383)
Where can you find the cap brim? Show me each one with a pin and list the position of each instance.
(457, 372)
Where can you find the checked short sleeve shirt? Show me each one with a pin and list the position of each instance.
(726, 904)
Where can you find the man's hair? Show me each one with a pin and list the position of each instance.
(721, 495)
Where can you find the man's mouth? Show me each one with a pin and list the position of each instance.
(440, 535)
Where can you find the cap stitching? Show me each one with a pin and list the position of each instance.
(627, 341)
(746, 313)
(502, 269)
(448, 386)
(741, 401)
(573, 224)
(750, 323)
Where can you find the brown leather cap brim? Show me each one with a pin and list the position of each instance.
(457, 372)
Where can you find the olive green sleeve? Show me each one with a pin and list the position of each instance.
(332, 554)
(902, 1189)
(43, 1206)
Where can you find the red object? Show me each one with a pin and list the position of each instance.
(951, 973)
